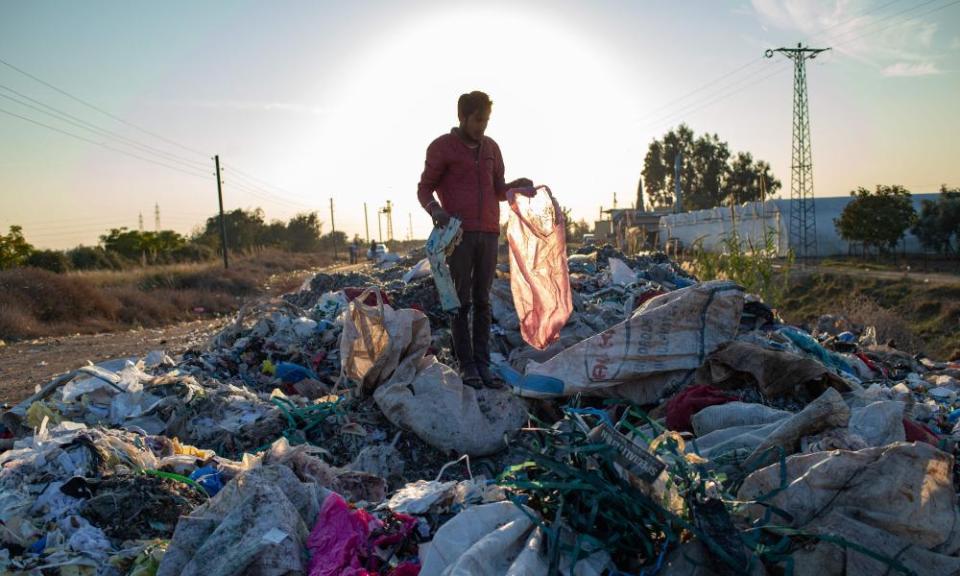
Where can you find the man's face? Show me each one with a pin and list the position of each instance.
(476, 124)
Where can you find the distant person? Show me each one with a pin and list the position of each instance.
(373, 249)
(464, 167)
(353, 253)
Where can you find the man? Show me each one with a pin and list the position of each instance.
(465, 169)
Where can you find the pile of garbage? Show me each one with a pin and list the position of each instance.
(667, 426)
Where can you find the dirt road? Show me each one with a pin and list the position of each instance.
(26, 365)
(924, 277)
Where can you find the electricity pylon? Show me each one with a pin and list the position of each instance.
(803, 219)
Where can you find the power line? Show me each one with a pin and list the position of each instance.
(900, 23)
(79, 122)
(698, 89)
(102, 144)
(100, 110)
(848, 20)
(645, 119)
(700, 104)
(259, 183)
(187, 163)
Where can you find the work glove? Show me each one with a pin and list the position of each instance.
(440, 217)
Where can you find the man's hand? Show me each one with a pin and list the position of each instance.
(520, 183)
(440, 217)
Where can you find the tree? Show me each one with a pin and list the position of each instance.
(95, 258)
(877, 219)
(655, 174)
(939, 222)
(708, 177)
(245, 230)
(14, 248)
(303, 233)
(52, 260)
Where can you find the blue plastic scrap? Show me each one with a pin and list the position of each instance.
(538, 384)
(209, 479)
(442, 241)
(291, 373)
(807, 343)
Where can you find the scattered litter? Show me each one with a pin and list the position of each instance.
(653, 424)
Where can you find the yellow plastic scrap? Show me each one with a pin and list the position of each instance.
(268, 368)
(37, 411)
(681, 446)
(189, 450)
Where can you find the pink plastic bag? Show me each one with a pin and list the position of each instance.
(539, 277)
(344, 541)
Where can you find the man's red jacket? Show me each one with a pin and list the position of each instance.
(468, 181)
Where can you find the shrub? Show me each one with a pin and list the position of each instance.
(52, 260)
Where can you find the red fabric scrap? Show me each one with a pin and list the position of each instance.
(352, 293)
(917, 432)
(684, 405)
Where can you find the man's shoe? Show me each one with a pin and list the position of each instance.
(471, 376)
(489, 380)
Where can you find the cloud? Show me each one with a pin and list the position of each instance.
(955, 43)
(893, 39)
(911, 69)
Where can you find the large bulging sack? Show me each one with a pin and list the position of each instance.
(539, 278)
(375, 339)
(656, 349)
(431, 400)
(903, 489)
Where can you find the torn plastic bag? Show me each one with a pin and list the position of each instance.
(376, 338)
(620, 273)
(440, 244)
(495, 539)
(257, 524)
(658, 348)
(774, 372)
(422, 269)
(539, 278)
(734, 414)
(879, 423)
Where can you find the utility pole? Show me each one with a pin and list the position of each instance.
(803, 224)
(410, 229)
(141, 222)
(333, 231)
(677, 192)
(366, 221)
(379, 227)
(156, 217)
(223, 225)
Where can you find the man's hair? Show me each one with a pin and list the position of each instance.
(470, 103)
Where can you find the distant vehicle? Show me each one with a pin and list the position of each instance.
(378, 253)
(589, 238)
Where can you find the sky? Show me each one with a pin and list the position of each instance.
(308, 101)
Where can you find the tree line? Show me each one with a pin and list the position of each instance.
(247, 231)
(710, 173)
(879, 219)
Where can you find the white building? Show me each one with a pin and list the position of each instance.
(754, 220)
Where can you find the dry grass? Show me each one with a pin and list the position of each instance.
(918, 317)
(35, 303)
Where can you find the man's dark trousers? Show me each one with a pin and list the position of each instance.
(473, 266)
